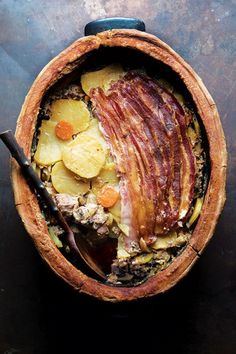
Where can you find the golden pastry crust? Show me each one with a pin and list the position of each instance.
(27, 204)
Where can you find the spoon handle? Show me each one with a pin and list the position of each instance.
(17, 152)
(28, 171)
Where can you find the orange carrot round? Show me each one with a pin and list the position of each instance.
(107, 196)
(64, 130)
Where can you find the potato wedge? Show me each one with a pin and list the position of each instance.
(84, 156)
(74, 112)
(101, 78)
(49, 146)
(65, 181)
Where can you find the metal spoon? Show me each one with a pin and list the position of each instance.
(82, 248)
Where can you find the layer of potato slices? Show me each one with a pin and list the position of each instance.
(101, 78)
(55, 133)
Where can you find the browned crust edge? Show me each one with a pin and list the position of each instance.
(27, 204)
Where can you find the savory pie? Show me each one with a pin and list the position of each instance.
(134, 156)
(122, 154)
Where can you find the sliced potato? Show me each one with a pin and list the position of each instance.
(101, 78)
(84, 156)
(107, 175)
(65, 181)
(116, 211)
(97, 184)
(93, 131)
(49, 146)
(165, 241)
(121, 252)
(74, 112)
(143, 258)
(124, 228)
(196, 211)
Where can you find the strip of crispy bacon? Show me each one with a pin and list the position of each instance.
(145, 128)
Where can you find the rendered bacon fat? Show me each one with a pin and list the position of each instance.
(146, 128)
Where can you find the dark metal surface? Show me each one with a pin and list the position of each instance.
(39, 314)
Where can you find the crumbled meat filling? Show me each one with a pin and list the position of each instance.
(88, 214)
(136, 269)
(66, 203)
(124, 270)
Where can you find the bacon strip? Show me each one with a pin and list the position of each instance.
(145, 128)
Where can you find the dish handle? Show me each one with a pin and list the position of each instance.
(105, 24)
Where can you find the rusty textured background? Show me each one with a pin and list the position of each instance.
(38, 313)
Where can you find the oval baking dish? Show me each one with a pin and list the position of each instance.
(106, 42)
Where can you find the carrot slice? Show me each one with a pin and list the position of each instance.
(64, 130)
(107, 196)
